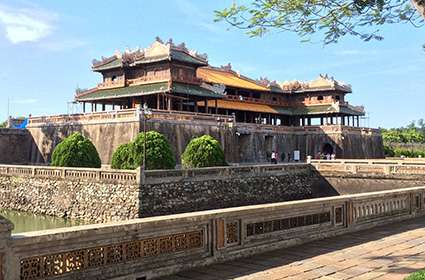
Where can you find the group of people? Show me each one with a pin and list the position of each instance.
(274, 158)
(326, 156)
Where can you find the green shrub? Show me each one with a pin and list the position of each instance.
(420, 275)
(399, 151)
(388, 151)
(158, 153)
(76, 151)
(121, 158)
(203, 151)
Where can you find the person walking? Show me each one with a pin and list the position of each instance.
(274, 158)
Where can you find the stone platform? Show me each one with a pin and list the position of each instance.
(388, 252)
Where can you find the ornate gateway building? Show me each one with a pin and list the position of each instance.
(170, 77)
(187, 97)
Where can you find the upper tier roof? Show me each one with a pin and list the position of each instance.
(158, 51)
(229, 78)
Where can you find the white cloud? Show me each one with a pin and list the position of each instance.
(24, 101)
(25, 25)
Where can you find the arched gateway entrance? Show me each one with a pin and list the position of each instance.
(327, 149)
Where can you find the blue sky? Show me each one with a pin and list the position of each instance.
(46, 48)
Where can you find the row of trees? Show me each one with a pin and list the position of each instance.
(413, 133)
(406, 141)
(78, 151)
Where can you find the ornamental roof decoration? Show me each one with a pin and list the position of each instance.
(322, 82)
(158, 50)
(264, 81)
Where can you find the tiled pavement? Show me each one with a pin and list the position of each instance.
(388, 252)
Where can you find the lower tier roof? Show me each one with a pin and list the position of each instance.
(146, 89)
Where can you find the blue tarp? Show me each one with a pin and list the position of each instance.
(22, 125)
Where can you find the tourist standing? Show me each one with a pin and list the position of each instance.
(274, 158)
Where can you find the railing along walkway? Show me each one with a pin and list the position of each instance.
(387, 252)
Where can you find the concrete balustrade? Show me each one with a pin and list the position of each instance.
(129, 115)
(385, 167)
(129, 176)
(164, 245)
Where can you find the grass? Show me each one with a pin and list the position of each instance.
(420, 275)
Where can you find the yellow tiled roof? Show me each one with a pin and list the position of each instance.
(228, 78)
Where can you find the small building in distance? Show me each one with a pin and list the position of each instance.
(170, 77)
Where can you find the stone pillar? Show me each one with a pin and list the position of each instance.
(8, 268)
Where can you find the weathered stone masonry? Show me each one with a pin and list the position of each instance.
(106, 195)
(215, 188)
(165, 192)
(91, 199)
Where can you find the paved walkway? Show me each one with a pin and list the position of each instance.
(387, 252)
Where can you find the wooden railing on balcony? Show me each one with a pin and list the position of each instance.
(163, 77)
(255, 100)
(112, 84)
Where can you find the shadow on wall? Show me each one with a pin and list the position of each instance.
(17, 146)
(198, 194)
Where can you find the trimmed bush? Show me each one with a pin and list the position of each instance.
(158, 153)
(121, 158)
(203, 151)
(76, 151)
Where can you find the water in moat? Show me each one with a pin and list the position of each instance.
(25, 222)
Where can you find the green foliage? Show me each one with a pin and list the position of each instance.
(403, 135)
(158, 153)
(2, 124)
(334, 18)
(388, 151)
(402, 151)
(121, 158)
(76, 151)
(203, 151)
(420, 275)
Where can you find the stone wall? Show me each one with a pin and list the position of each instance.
(87, 199)
(106, 136)
(215, 188)
(87, 196)
(14, 146)
(243, 143)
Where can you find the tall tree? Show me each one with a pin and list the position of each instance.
(336, 18)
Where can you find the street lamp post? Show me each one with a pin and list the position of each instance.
(145, 112)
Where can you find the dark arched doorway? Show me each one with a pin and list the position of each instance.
(327, 149)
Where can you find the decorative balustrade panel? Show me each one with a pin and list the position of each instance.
(42, 172)
(287, 223)
(69, 173)
(370, 169)
(405, 169)
(369, 210)
(48, 266)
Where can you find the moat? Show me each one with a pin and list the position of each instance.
(25, 222)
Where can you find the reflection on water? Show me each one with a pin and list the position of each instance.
(24, 221)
